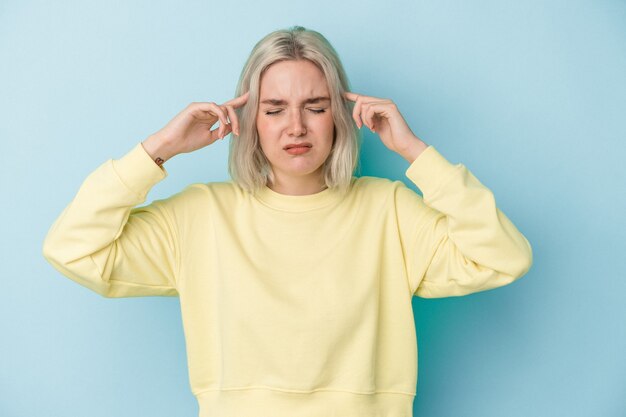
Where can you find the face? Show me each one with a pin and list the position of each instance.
(294, 107)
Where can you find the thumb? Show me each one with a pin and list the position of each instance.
(215, 133)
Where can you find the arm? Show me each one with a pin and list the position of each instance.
(105, 243)
(456, 240)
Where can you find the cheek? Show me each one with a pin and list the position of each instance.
(330, 121)
(259, 124)
(329, 125)
(265, 132)
(265, 127)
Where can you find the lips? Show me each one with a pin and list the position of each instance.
(298, 145)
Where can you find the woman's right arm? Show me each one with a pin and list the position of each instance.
(103, 241)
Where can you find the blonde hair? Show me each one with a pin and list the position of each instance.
(247, 164)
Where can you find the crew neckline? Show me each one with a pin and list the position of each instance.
(298, 203)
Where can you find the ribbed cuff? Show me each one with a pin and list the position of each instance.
(138, 171)
(430, 171)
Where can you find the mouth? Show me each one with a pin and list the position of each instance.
(298, 149)
(298, 145)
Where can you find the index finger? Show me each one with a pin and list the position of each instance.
(238, 101)
(350, 96)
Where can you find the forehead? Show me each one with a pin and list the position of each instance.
(292, 81)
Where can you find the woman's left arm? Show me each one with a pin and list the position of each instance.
(455, 240)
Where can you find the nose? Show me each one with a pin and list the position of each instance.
(296, 124)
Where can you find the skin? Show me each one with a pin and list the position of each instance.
(295, 121)
(383, 117)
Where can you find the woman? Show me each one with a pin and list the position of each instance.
(295, 278)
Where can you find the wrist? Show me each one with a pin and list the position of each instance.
(158, 149)
(414, 150)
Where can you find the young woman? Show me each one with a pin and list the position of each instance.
(295, 277)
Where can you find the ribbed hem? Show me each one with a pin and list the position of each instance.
(430, 171)
(263, 402)
(138, 171)
(298, 203)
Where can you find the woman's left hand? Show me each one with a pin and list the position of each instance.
(383, 117)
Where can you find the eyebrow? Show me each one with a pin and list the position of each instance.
(278, 102)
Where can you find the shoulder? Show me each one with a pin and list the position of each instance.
(216, 190)
(371, 183)
(384, 190)
(376, 185)
(202, 194)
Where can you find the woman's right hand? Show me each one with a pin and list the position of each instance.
(191, 128)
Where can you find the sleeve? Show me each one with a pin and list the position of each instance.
(102, 241)
(455, 240)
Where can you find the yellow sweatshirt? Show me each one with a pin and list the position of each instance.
(291, 305)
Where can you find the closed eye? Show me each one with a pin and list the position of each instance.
(316, 111)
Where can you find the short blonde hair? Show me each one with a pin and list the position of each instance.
(247, 164)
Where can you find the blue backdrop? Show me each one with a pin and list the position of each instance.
(530, 96)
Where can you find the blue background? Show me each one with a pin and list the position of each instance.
(530, 96)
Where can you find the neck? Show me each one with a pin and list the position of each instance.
(305, 185)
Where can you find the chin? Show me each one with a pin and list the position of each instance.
(301, 168)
